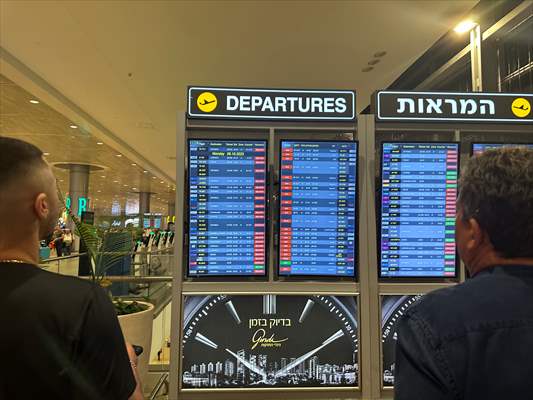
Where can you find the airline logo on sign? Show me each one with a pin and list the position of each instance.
(271, 104)
(445, 107)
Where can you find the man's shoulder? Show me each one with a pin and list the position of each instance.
(49, 287)
(490, 297)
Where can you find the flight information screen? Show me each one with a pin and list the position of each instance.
(318, 208)
(418, 194)
(227, 207)
(478, 148)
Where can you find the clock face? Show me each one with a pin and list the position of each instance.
(270, 341)
(392, 309)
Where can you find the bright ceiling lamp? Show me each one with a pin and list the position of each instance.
(465, 26)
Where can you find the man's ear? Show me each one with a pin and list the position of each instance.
(41, 206)
(476, 235)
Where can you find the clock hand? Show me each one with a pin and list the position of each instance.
(307, 355)
(248, 364)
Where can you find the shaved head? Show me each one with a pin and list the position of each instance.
(29, 204)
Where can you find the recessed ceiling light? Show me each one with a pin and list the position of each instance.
(46, 154)
(162, 182)
(99, 143)
(73, 126)
(133, 188)
(102, 176)
(133, 164)
(99, 191)
(145, 172)
(119, 155)
(125, 185)
(33, 101)
(115, 181)
(153, 177)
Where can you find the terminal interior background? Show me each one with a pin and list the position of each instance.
(101, 88)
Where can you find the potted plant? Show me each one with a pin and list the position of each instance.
(107, 249)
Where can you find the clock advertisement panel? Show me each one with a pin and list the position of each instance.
(392, 309)
(261, 341)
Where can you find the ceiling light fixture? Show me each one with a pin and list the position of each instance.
(133, 164)
(119, 155)
(73, 126)
(465, 26)
(33, 101)
(99, 143)
(102, 176)
(145, 172)
(46, 154)
(162, 182)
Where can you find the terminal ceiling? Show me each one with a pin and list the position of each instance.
(120, 69)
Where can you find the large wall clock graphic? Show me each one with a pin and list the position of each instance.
(392, 309)
(270, 341)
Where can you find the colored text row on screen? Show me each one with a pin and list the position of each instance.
(318, 208)
(419, 190)
(478, 148)
(227, 207)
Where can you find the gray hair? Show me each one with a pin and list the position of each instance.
(496, 189)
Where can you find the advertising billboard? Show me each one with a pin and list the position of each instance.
(392, 309)
(258, 341)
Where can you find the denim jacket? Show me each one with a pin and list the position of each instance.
(470, 341)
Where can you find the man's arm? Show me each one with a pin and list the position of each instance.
(101, 356)
(137, 394)
(420, 369)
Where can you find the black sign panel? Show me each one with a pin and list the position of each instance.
(445, 107)
(271, 104)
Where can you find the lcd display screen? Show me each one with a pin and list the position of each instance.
(227, 207)
(478, 148)
(418, 195)
(318, 206)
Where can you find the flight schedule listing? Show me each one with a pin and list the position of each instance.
(419, 190)
(318, 208)
(227, 207)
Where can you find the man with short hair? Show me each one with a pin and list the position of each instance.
(475, 340)
(59, 335)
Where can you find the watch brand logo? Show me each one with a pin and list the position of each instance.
(207, 102)
(446, 107)
(521, 107)
(260, 338)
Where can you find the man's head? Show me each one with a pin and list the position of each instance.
(29, 203)
(495, 208)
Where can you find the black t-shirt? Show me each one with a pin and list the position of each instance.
(59, 338)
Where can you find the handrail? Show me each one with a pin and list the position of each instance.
(77, 255)
(160, 383)
(134, 279)
(63, 257)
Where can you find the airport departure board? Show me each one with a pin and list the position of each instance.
(318, 206)
(418, 195)
(478, 148)
(227, 207)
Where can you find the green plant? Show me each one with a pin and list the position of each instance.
(105, 248)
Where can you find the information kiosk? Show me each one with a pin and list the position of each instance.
(305, 235)
(266, 302)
